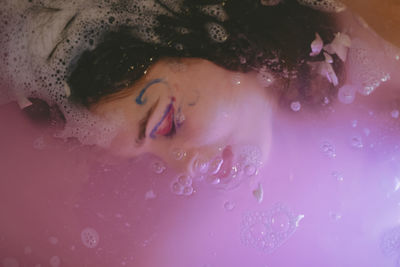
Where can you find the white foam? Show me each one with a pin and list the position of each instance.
(31, 32)
(324, 5)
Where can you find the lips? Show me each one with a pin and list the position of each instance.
(167, 124)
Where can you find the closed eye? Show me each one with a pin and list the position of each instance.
(143, 123)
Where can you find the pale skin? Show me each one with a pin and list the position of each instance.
(197, 229)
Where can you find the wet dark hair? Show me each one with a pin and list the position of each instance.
(277, 37)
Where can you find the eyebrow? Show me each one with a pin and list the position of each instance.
(143, 122)
(139, 99)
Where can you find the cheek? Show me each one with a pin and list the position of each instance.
(207, 123)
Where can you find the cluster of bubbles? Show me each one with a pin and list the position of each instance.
(328, 149)
(182, 185)
(268, 230)
(390, 242)
(40, 39)
(265, 77)
(365, 71)
(90, 237)
(324, 5)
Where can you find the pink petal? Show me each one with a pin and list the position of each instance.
(316, 45)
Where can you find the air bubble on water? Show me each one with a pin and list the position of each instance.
(187, 190)
(177, 188)
(27, 250)
(178, 153)
(53, 240)
(367, 131)
(215, 165)
(158, 167)
(295, 106)
(150, 195)
(90, 237)
(335, 216)
(200, 165)
(395, 113)
(354, 123)
(55, 261)
(229, 205)
(10, 262)
(270, 2)
(357, 142)
(265, 77)
(338, 176)
(185, 180)
(347, 94)
(328, 149)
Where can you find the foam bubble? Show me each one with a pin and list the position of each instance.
(42, 38)
(295, 106)
(185, 180)
(216, 11)
(217, 32)
(264, 77)
(324, 5)
(90, 237)
(328, 149)
(158, 167)
(268, 230)
(366, 71)
(390, 241)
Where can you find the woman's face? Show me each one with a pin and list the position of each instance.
(189, 111)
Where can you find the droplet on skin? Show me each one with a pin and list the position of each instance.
(158, 167)
(295, 106)
(90, 237)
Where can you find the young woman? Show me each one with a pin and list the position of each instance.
(222, 94)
